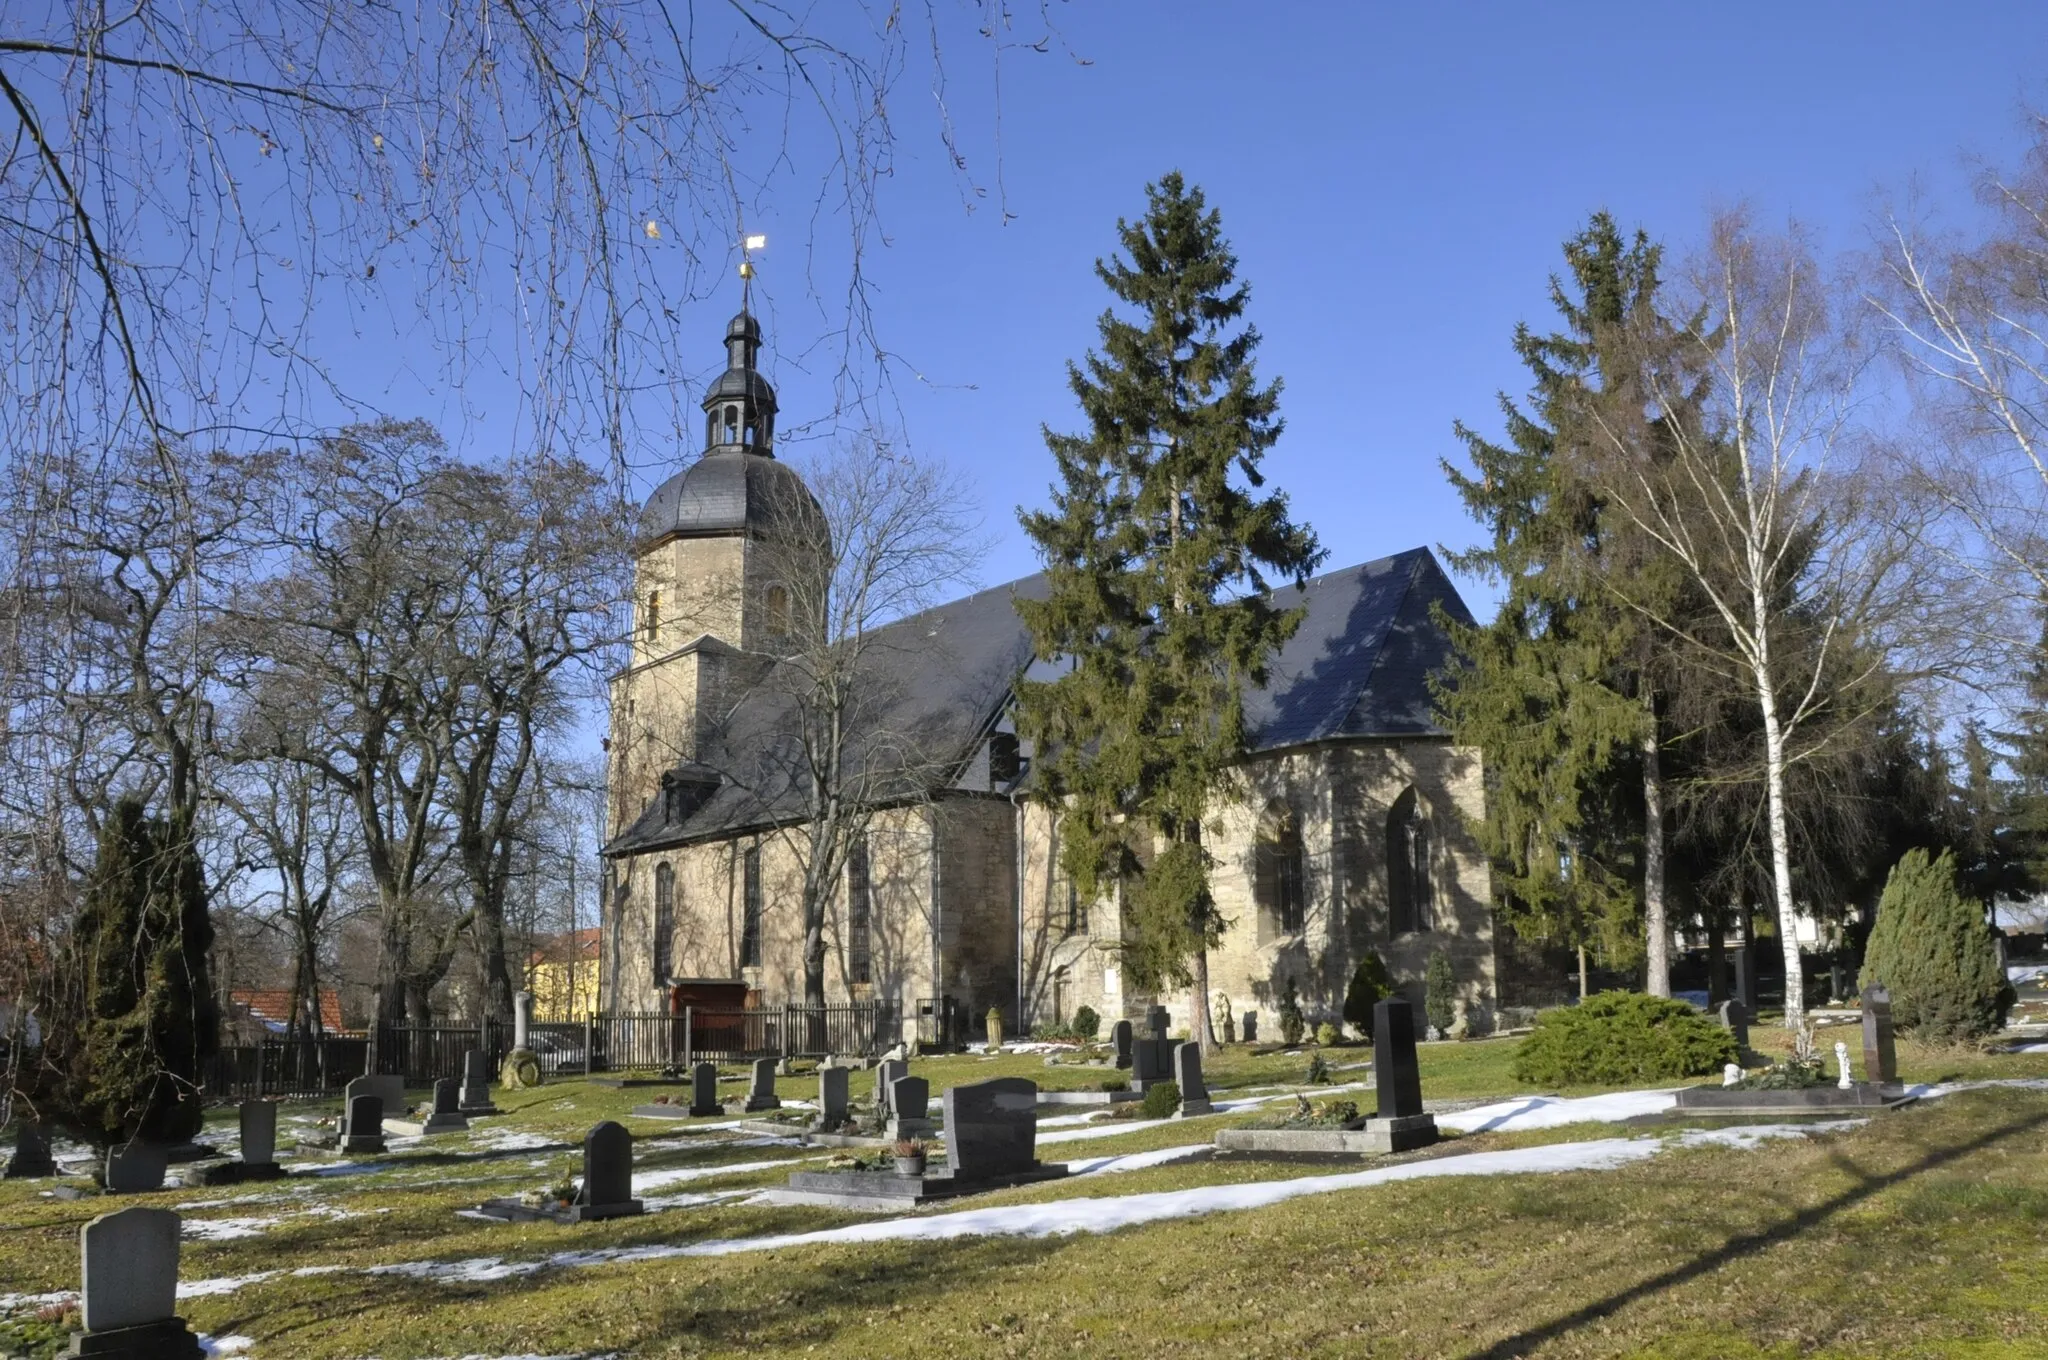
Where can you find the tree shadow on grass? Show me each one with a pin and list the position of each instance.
(1748, 1244)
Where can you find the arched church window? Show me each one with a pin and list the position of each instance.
(1411, 889)
(652, 621)
(750, 908)
(664, 924)
(1280, 870)
(732, 424)
(777, 601)
(859, 958)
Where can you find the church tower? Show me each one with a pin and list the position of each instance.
(730, 561)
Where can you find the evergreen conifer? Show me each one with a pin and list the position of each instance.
(137, 1019)
(1158, 547)
(1931, 948)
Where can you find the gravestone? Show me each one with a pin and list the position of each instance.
(1735, 1020)
(607, 1175)
(1880, 1056)
(31, 1153)
(886, 1076)
(447, 1116)
(1187, 1072)
(258, 1120)
(1744, 959)
(1250, 1028)
(389, 1089)
(704, 1091)
(1156, 1021)
(365, 1125)
(1394, 1069)
(991, 1127)
(762, 1095)
(136, 1166)
(476, 1084)
(910, 1101)
(832, 1099)
(1120, 1043)
(128, 1302)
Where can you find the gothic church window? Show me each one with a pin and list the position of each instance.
(664, 924)
(777, 600)
(1280, 870)
(750, 908)
(1411, 888)
(652, 623)
(859, 960)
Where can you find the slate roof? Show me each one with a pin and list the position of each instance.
(725, 492)
(937, 681)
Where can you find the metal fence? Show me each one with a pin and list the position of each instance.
(300, 1068)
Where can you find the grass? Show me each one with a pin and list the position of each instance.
(1918, 1235)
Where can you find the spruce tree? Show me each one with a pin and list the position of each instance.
(2028, 801)
(1563, 692)
(1932, 949)
(137, 1017)
(1158, 548)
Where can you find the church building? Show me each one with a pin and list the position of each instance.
(1351, 839)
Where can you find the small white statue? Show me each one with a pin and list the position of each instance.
(1842, 1061)
(1731, 1075)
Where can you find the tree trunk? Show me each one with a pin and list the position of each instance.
(1781, 856)
(1200, 1027)
(1584, 990)
(1656, 931)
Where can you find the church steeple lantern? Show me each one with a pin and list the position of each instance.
(739, 409)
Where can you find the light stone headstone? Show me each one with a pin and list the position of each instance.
(762, 1095)
(831, 1097)
(991, 1127)
(1880, 1054)
(259, 1132)
(136, 1166)
(704, 1090)
(31, 1152)
(1120, 1042)
(130, 1265)
(1187, 1073)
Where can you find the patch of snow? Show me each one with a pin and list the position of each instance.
(2027, 1048)
(225, 1229)
(2024, 972)
(1136, 1161)
(225, 1345)
(1549, 1112)
(1029, 1046)
(655, 1204)
(513, 1140)
(1109, 1128)
(338, 1168)
(644, 1181)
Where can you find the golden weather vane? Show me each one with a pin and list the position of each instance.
(748, 245)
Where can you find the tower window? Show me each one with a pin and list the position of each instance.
(750, 908)
(777, 601)
(1280, 870)
(664, 923)
(652, 622)
(859, 959)
(1411, 890)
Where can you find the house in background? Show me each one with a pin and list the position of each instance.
(257, 1013)
(564, 974)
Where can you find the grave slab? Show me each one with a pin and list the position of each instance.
(606, 1192)
(1829, 1101)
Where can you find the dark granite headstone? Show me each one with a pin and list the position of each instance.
(831, 1097)
(762, 1096)
(136, 1166)
(704, 1090)
(475, 1096)
(991, 1127)
(1744, 959)
(258, 1120)
(1735, 1020)
(1880, 1055)
(447, 1116)
(365, 1124)
(886, 1076)
(1187, 1073)
(1120, 1042)
(1156, 1021)
(607, 1173)
(1394, 1069)
(31, 1153)
(910, 1098)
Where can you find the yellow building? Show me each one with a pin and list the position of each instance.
(565, 976)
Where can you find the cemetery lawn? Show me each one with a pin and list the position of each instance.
(1921, 1233)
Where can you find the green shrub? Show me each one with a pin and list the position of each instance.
(1369, 982)
(1931, 948)
(1291, 1022)
(1440, 993)
(1617, 1037)
(1113, 1084)
(1086, 1023)
(1328, 1034)
(1318, 1070)
(1162, 1100)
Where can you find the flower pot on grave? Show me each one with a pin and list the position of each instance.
(910, 1166)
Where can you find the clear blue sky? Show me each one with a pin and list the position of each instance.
(1396, 181)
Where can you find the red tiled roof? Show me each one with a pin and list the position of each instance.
(570, 945)
(275, 1003)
